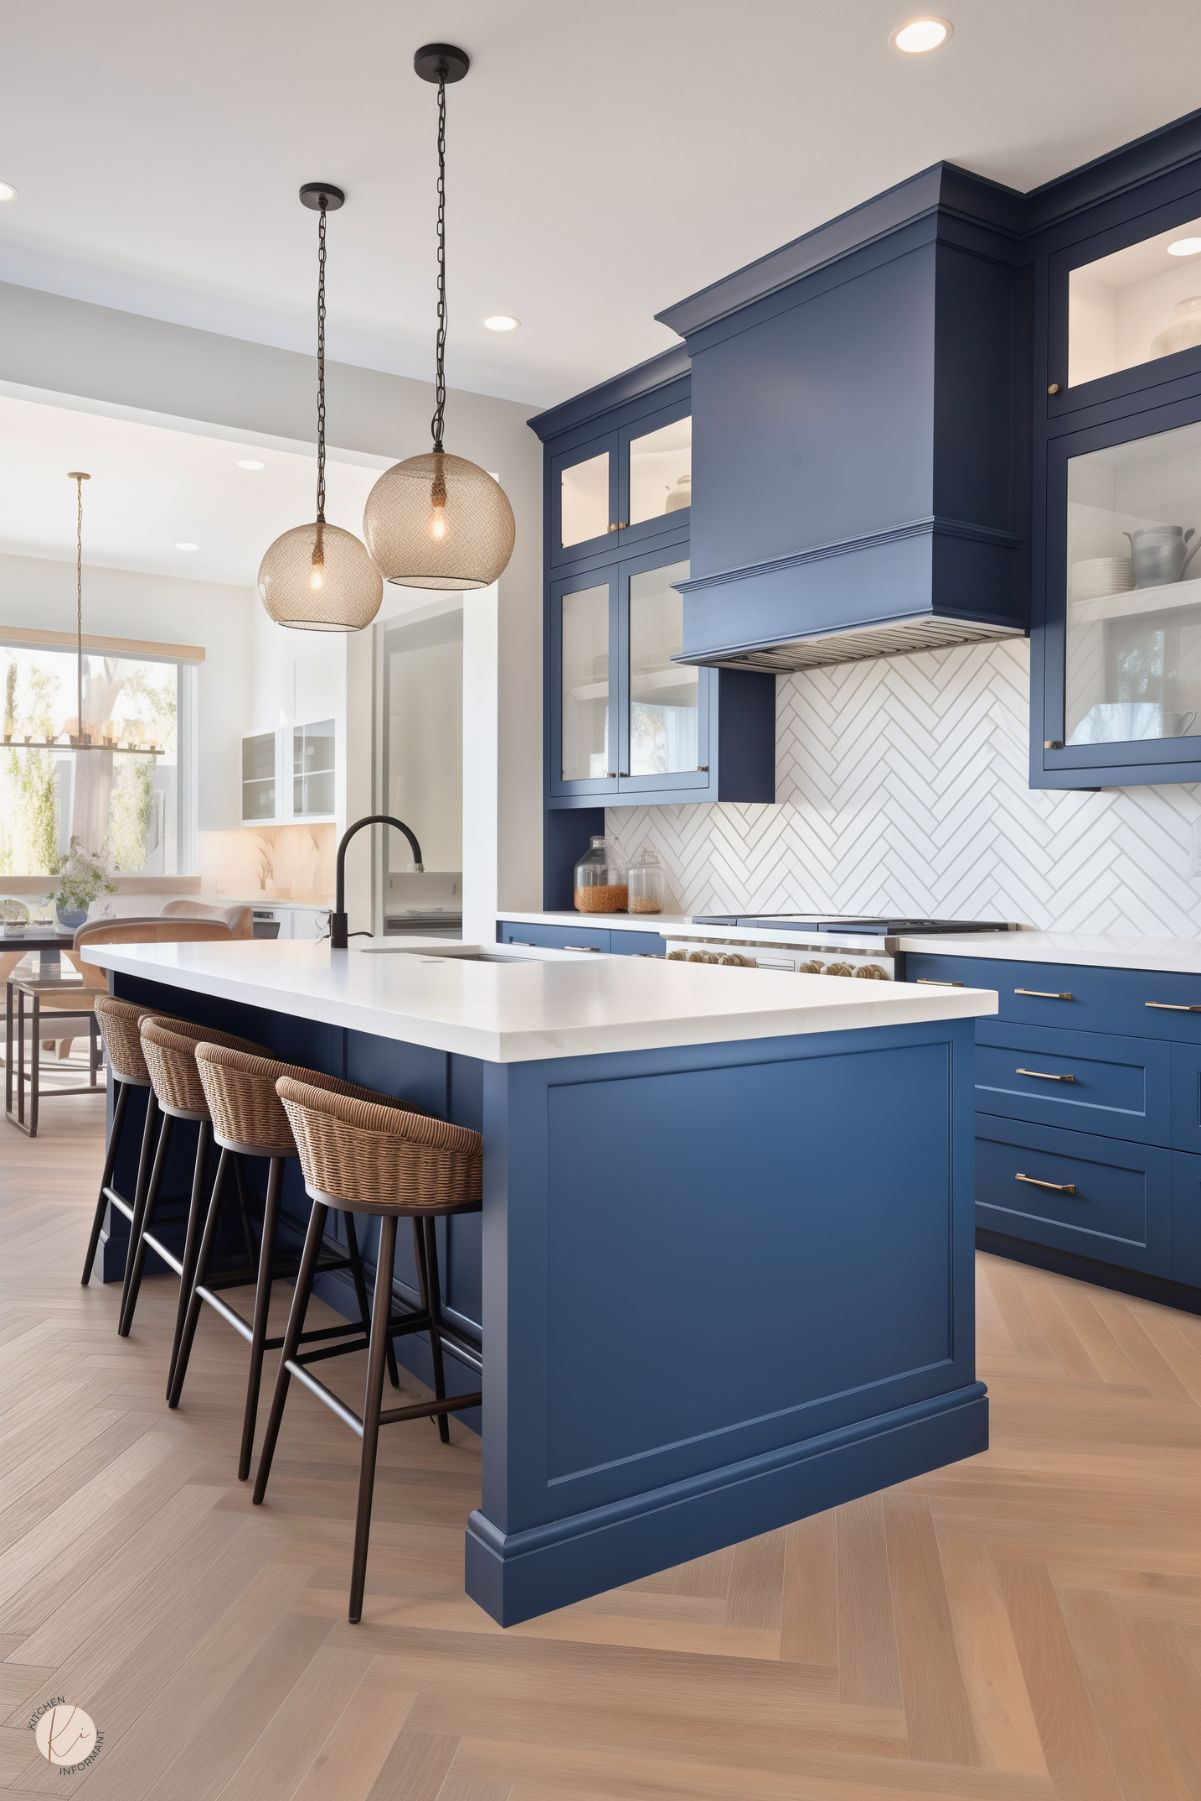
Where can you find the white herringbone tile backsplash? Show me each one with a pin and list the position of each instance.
(902, 787)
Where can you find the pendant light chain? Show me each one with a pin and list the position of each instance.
(437, 423)
(321, 364)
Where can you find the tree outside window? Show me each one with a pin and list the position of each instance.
(117, 799)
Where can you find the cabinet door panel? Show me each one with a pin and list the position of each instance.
(584, 500)
(664, 729)
(584, 659)
(1186, 1218)
(1186, 1097)
(655, 475)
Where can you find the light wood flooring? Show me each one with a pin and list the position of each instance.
(1023, 1627)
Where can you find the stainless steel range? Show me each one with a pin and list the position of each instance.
(811, 944)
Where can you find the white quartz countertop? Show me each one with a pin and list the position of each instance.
(1103, 950)
(534, 1004)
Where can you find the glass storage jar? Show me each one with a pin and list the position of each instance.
(600, 882)
(645, 882)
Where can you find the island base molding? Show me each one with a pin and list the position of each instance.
(518, 1575)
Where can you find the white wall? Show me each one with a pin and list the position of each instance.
(57, 345)
(39, 593)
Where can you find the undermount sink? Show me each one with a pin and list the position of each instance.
(427, 956)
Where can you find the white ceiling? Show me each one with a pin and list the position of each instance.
(606, 159)
(152, 488)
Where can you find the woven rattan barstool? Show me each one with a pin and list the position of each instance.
(169, 1047)
(249, 1121)
(119, 1022)
(379, 1157)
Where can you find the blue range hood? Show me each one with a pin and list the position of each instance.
(860, 405)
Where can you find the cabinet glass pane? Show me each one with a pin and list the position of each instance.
(585, 678)
(312, 794)
(258, 799)
(1141, 303)
(312, 747)
(661, 471)
(664, 696)
(584, 501)
(1133, 659)
(258, 757)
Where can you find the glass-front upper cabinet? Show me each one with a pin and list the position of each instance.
(584, 653)
(259, 778)
(665, 712)
(1123, 697)
(1126, 314)
(313, 770)
(615, 492)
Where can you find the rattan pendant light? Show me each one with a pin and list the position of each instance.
(436, 520)
(319, 578)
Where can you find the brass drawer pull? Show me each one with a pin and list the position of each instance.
(934, 982)
(581, 947)
(1042, 994)
(1172, 1007)
(1044, 1075)
(1037, 1182)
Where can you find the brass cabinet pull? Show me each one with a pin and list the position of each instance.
(525, 943)
(702, 769)
(1053, 744)
(613, 527)
(610, 775)
(934, 982)
(1173, 1006)
(1037, 1182)
(1042, 994)
(1043, 1075)
(580, 947)
(1053, 387)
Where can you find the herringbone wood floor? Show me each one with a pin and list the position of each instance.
(1024, 1627)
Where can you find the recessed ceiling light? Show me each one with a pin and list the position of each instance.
(250, 463)
(501, 322)
(187, 547)
(1185, 247)
(7, 191)
(920, 35)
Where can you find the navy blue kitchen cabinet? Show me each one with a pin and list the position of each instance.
(1088, 1119)
(628, 722)
(1116, 402)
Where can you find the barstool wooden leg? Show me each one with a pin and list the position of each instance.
(141, 1184)
(300, 1302)
(381, 1317)
(110, 1159)
(209, 1234)
(360, 1289)
(244, 1215)
(262, 1302)
(427, 1264)
(191, 1243)
(137, 1245)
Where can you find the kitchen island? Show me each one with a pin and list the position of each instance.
(723, 1275)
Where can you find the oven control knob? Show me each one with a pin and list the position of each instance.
(838, 969)
(872, 972)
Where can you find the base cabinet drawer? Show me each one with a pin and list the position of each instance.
(1074, 996)
(1098, 1197)
(553, 938)
(637, 944)
(1086, 1081)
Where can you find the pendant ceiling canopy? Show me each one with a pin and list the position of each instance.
(318, 577)
(436, 520)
